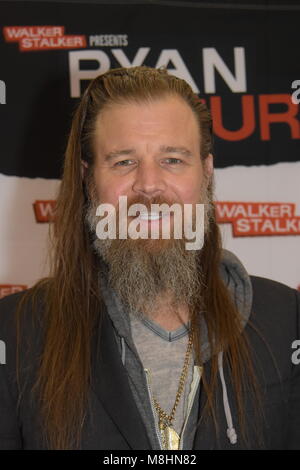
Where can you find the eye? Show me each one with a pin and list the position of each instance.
(174, 161)
(122, 163)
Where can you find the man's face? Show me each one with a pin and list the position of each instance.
(149, 152)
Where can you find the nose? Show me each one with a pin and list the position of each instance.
(149, 180)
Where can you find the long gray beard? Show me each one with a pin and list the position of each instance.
(143, 272)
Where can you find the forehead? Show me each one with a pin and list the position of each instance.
(168, 116)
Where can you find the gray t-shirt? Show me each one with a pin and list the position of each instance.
(163, 353)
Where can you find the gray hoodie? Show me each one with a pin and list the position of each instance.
(239, 284)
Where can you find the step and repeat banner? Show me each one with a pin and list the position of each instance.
(244, 63)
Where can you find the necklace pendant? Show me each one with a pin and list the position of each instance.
(170, 437)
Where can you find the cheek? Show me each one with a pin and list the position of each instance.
(189, 191)
(191, 196)
(104, 190)
(109, 190)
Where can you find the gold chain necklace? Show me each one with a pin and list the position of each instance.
(170, 438)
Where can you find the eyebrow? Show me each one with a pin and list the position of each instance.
(163, 149)
(180, 150)
(118, 153)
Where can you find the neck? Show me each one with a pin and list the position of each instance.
(167, 315)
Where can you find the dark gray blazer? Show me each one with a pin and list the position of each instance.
(113, 422)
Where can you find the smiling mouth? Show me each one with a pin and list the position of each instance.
(151, 216)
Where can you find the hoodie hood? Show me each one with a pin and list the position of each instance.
(238, 283)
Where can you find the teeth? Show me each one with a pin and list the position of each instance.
(150, 216)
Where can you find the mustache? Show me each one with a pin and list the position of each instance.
(147, 202)
(94, 202)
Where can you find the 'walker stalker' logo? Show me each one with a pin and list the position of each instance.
(259, 218)
(7, 289)
(36, 38)
(43, 210)
(247, 218)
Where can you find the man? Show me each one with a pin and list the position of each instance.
(138, 342)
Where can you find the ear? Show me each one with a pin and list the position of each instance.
(209, 165)
(84, 165)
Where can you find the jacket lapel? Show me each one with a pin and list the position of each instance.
(110, 384)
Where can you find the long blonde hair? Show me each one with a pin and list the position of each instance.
(71, 296)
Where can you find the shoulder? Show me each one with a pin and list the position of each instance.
(10, 302)
(21, 334)
(274, 296)
(270, 294)
(8, 310)
(271, 286)
(19, 311)
(276, 315)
